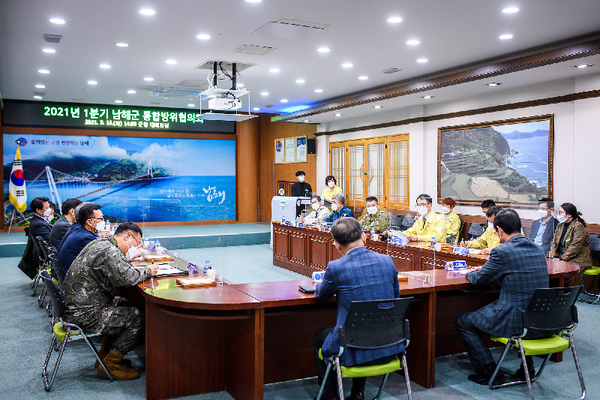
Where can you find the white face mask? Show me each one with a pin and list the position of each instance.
(542, 213)
(334, 206)
(445, 210)
(371, 210)
(131, 253)
(422, 210)
(301, 178)
(315, 206)
(48, 212)
(100, 226)
(331, 183)
(561, 218)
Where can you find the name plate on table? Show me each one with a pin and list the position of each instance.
(318, 276)
(195, 282)
(455, 265)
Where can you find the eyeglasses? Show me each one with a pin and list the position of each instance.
(422, 204)
(137, 242)
(100, 218)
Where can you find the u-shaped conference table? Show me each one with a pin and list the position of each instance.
(239, 337)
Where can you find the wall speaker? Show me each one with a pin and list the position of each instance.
(311, 146)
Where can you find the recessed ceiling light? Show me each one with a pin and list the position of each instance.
(274, 70)
(284, 100)
(118, 101)
(37, 97)
(510, 10)
(413, 42)
(58, 21)
(191, 105)
(256, 109)
(323, 49)
(347, 65)
(394, 20)
(264, 93)
(492, 84)
(122, 44)
(363, 77)
(104, 66)
(253, 1)
(92, 82)
(43, 71)
(50, 51)
(377, 107)
(338, 115)
(300, 81)
(171, 62)
(203, 36)
(505, 37)
(582, 66)
(40, 86)
(147, 11)
(306, 121)
(131, 91)
(422, 60)
(318, 90)
(427, 97)
(148, 79)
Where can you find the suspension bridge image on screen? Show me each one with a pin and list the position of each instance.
(133, 178)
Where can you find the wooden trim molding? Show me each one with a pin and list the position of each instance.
(503, 107)
(532, 58)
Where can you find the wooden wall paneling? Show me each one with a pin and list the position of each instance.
(281, 243)
(270, 172)
(298, 247)
(248, 170)
(317, 252)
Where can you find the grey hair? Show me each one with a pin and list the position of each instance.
(339, 197)
(76, 211)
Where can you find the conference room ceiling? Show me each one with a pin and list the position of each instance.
(292, 35)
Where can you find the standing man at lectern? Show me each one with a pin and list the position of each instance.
(301, 188)
(359, 275)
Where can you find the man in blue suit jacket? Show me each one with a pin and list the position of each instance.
(520, 268)
(542, 230)
(359, 275)
(80, 234)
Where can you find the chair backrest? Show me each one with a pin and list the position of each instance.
(396, 222)
(551, 310)
(58, 303)
(44, 248)
(57, 271)
(595, 245)
(376, 324)
(37, 248)
(461, 231)
(476, 229)
(407, 222)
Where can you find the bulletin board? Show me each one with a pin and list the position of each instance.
(291, 150)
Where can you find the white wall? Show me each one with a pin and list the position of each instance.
(576, 142)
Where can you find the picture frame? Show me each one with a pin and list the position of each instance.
(509, 161)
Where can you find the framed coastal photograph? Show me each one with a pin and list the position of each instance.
(508, 161)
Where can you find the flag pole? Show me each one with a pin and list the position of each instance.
(11, 221)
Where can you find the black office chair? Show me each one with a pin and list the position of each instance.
(61, 332)
(461, 231)
(591, 270)
(372, 325)
(407, 222)
(548, 323)
(475, 230)
(396, 222)
(40, 262)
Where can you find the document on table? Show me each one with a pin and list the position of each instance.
(167, 270)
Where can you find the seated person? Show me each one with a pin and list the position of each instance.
(88, 224)
(339, 209)
(429, 223)
(74, 225)
(50, 217)
(359, 275)
(488, 240)
(39, 225)
(520, 268)
(331, 189)
(90, 302)
(542, 230)
(452, 220)
(301, 188)
(318, 214)
(374, 217)
(571, 240)
(64, 222)
(485, 205)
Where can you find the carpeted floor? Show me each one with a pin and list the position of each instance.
(25, 332)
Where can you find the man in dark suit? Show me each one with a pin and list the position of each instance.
(542, 230)
(520, 268)
(301, 188)
(39, 225)
(360, 274)
(84, 231)
(64, 222)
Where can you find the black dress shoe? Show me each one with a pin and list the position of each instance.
(356, 396)
(520, 373)
(482, 377)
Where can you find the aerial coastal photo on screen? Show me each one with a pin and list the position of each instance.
(504, 162)
(138, 179)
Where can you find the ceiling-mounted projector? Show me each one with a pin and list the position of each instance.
(227, 102)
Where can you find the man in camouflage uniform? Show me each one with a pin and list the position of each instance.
(90, 302)
(374, 217)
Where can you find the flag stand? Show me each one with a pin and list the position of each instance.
(12, 218)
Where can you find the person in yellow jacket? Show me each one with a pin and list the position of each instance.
(452, 220)
(429, 223)
(331, 189)
(489, 239)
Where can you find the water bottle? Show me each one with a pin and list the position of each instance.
(433, 242)
(374, 235)
(207, 266)
(156, 244)
(192, 268)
